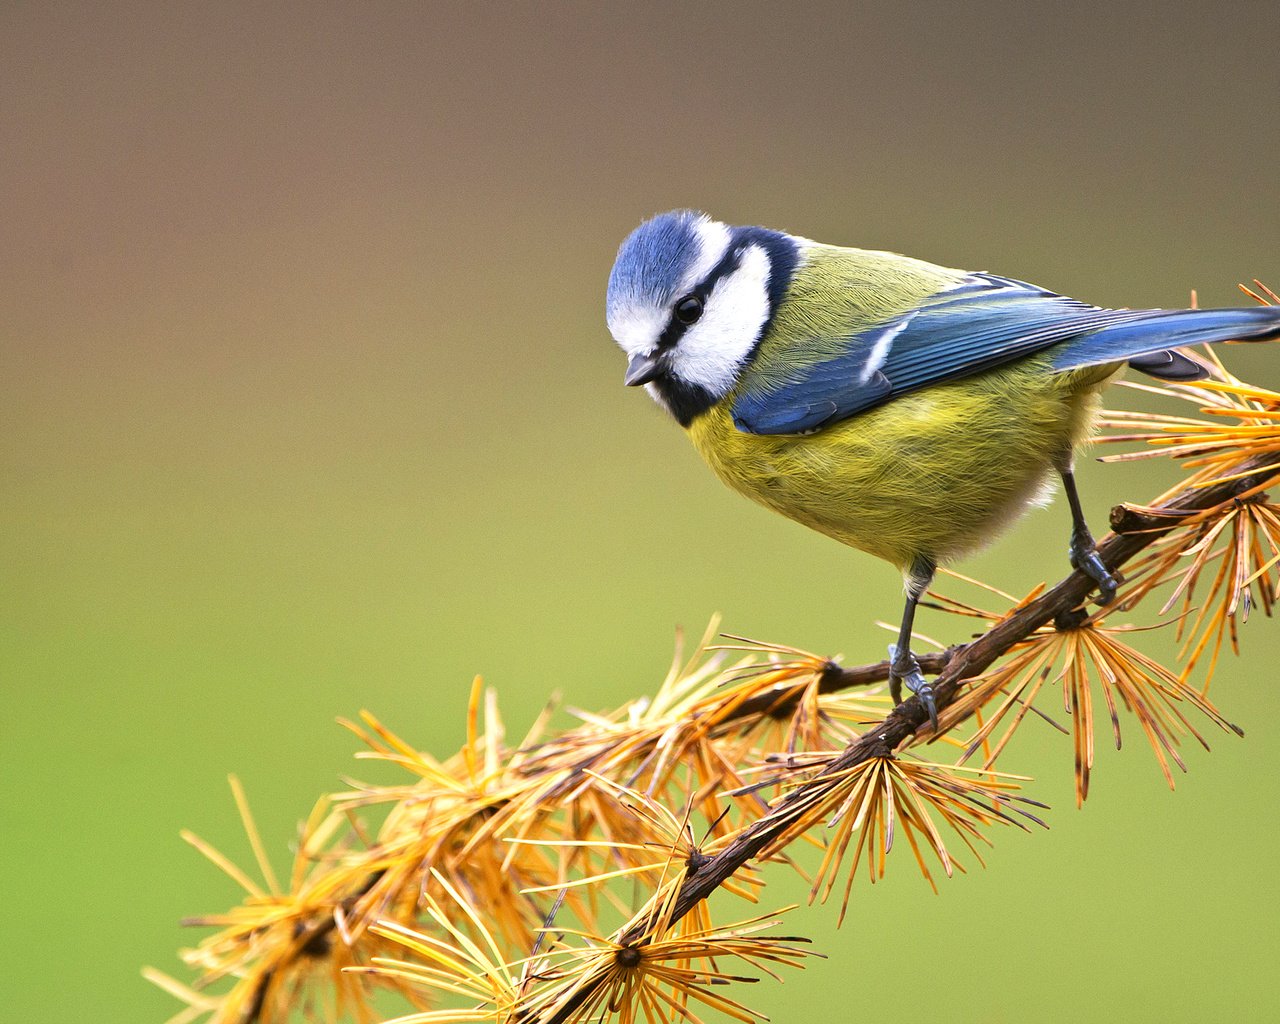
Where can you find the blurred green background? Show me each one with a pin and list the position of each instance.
(308, 406)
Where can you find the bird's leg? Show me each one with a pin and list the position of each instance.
(903, 667)
(1084, 553)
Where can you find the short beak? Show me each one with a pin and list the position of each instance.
(642, 369)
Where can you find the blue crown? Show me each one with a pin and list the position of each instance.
(653, 260)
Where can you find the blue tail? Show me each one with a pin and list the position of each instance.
(1145, 342)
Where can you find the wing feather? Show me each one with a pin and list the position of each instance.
(980, 323)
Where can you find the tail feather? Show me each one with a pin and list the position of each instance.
(1146, 343)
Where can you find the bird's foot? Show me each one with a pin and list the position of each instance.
(1084, 556)
(903, 668)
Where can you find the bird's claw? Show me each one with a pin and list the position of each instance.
(1084, 557)
(903, 668)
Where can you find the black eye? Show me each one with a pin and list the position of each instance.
(689, 309)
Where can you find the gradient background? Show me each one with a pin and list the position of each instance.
(308, 406)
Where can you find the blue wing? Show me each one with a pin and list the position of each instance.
(982, 323)
(1141, 341)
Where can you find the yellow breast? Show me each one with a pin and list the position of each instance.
(932, 473)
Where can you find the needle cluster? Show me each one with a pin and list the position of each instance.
(565, 876)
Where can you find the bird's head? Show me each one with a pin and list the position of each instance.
(689, 300)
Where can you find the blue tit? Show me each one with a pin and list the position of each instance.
(905, 409)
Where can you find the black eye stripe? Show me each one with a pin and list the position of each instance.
(689, 401)
(729, 262)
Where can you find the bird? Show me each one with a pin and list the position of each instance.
(905, 409)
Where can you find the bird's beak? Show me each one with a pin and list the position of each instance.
(642, 369)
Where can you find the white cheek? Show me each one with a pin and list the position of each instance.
(712, 351)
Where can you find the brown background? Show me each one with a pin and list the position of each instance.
(307, 405)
